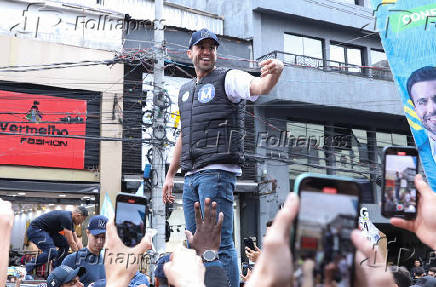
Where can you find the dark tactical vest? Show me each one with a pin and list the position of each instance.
(212, 126)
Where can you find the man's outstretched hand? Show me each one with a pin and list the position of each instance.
(208, 233)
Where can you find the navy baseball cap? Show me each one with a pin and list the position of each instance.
(159, 272)
(97, 224)
(201, 35)
(64, 274)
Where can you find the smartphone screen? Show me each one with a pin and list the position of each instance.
(328, 214)
(130, 218)
(399, 191)
(248, 242)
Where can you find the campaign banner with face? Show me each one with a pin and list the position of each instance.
(41, 130)
(407, 30)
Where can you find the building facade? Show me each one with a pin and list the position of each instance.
(62, 135)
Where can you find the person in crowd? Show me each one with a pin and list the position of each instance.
(90, 257)
(44, 232)
(118, 272)
(160, 279)
(401, 276)
(417, 270)
(426, 281)
(92, 260)
(210, 146)
(397, 187)
(65, 276)
(252, 255)
(419, 273)
(432, 271)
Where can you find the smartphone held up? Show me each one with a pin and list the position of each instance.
(322, 232)
(130, 218)
(399, 195)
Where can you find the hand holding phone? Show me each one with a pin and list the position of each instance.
(399, 196)
(322, 231)
(248, 242)
(130, 218)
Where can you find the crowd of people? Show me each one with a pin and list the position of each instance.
(188, 266)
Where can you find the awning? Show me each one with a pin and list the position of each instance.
(46, 192)
(48, 186)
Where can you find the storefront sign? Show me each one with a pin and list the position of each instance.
(39, 130)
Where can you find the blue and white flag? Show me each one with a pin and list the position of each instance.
(408, 32)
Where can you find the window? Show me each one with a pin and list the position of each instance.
(305, 148)
(301, 46)
(377, 57)
(344, 56)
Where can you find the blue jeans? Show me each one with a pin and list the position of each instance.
(47, 242)
(218, 185)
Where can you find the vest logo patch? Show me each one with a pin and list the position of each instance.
(206, 93)
(185, 96)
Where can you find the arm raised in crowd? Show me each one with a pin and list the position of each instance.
(186, 267)
(425, 223)
(208, 233)
(274, 265)
(370, 265)
(120, 272)
(6, 223)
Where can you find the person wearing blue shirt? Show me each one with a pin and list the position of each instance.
(89, 257)
(45, 230)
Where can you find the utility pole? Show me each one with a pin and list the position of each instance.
(159, 131)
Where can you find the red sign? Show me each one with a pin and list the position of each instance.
(39, 130)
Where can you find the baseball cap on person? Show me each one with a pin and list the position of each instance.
(83, 210)
(64, 274)
(201, 35)
(159, 272)
(97, 224)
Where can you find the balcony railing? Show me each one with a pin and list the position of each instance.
(380, 73)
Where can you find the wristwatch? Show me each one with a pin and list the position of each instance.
(210, 255)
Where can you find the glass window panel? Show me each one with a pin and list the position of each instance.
(293, 44)
(301, 46)
(315, 135)
(377, 56)
(312, 47)
(354, 57)
(399, 140)
(337, 53)
(383, 139)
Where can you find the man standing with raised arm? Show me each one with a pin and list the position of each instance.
(209, 149)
